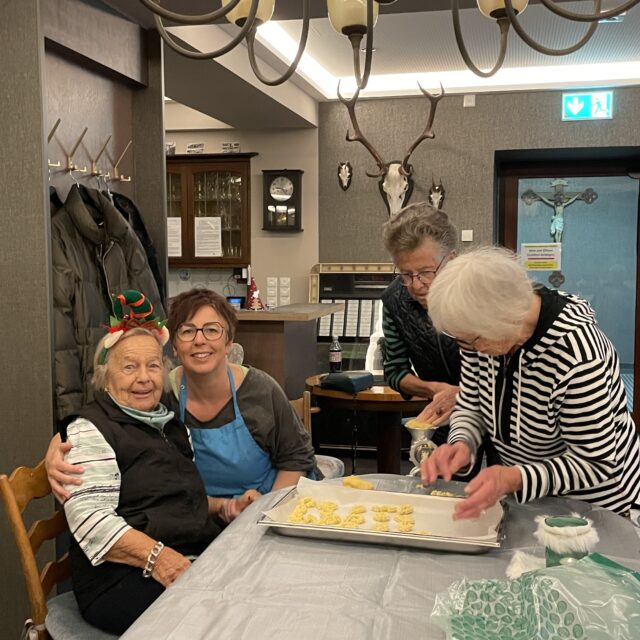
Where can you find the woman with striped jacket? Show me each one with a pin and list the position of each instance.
(540, 377)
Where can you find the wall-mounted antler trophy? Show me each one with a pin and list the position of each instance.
(436, 194)
(345, 175)
(394, 178)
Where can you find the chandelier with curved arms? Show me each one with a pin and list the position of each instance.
(356, 20)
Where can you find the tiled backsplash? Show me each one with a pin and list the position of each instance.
(220, 280)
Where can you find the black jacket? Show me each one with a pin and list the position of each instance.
(434, 357)
(131, 214)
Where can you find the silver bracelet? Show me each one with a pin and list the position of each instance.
(151, 559)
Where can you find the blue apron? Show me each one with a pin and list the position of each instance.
(228, 458)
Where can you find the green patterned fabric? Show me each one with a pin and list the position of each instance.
(588, 599)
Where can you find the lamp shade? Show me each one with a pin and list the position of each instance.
(495, 8)
(240, 13)
(350, 16)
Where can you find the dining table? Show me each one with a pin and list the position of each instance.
(388, 407)
(252, 583)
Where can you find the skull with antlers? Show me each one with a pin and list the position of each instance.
(394, 178)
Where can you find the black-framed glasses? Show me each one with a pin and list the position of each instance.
(423, 277)
(211, 331)
(463, 344)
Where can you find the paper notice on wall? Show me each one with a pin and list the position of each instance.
(174, 237)
(208, 237)
(541, 256)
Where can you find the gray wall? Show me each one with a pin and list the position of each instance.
(98, 71)
(462, 155)
(26, 411)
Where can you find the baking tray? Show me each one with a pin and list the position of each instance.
(431, 513)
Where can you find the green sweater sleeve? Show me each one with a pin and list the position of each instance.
(396, 362)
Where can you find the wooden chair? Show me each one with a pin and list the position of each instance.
(63, 619)
(329, 466)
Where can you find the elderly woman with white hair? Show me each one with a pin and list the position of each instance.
(141, 513)
(540, 377)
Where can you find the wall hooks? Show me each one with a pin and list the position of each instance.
(49, 138)
(116, 171)
(95, 172)
(70, 164)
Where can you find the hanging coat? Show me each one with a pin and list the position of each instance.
(95, 255)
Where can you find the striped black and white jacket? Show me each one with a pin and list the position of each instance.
(557, 409)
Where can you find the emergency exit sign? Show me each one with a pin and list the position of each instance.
(587, 105)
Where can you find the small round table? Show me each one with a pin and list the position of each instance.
(387, 404)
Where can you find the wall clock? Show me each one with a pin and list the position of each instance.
(282, 198)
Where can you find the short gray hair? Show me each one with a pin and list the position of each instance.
(407, 230)
(485, 292)
(101, 371)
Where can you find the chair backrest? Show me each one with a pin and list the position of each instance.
(17, 490)
(303, 408)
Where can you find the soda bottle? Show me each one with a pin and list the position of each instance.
(335, 355)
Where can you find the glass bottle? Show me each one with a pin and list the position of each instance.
(335, 355)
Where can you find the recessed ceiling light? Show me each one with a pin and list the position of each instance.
(614, 19)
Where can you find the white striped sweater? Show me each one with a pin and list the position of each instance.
(570, 434)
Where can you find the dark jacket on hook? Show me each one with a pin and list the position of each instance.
(95, 255)
(129, 210)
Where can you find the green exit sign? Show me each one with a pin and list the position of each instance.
(587, 105)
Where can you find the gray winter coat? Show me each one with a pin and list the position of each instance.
(95, 255)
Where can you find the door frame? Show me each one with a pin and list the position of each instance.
(508, 174)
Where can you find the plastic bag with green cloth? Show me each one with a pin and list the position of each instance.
(593, 598)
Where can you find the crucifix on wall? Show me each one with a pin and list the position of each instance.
(558, 200)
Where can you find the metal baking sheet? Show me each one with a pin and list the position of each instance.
(430, 513)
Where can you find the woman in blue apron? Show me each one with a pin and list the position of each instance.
(244, 432)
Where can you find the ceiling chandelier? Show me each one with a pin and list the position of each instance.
(356, 20)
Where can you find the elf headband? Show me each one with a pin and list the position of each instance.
(141, 316)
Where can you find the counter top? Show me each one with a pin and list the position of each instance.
(291, 312)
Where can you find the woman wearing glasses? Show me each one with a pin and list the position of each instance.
(421, 240)
(245, 434)
(541, 380)
(419, 361)
(246, 437)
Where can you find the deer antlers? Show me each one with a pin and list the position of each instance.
(427, 134)
(359, 137)
(383, 167)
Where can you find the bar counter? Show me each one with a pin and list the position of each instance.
(282, 342)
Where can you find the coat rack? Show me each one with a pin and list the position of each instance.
(95, 172)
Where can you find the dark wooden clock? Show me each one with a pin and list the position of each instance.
(282, 197)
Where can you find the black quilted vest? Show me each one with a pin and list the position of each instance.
(161, 493)
(434, 357)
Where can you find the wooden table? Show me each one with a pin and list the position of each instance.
(387, 404)
(283, 342)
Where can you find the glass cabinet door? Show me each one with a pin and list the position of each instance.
(217, 211)
(176, 214)
(208, 210)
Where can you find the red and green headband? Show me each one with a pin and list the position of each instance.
(140, 316)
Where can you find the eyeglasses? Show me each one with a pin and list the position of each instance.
(468, 345)
(211, 331)
(423, 277)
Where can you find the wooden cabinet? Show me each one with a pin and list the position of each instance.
(209, 210)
